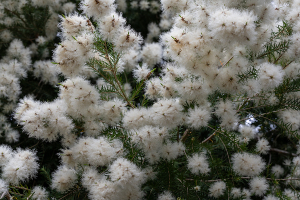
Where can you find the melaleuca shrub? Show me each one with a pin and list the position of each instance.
(203, 105)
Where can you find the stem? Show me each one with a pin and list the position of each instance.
(283, 152)
(185, 134)
(212, 135)
(113, 65)
(22, 188)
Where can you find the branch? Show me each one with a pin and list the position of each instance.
(212, 135)
(283, 152)
(184, 136)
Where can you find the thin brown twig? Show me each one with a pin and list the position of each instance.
(184, 136)
(22, 188)
(209, 137)
(283, 152)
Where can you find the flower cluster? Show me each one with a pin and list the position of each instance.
(209, 107)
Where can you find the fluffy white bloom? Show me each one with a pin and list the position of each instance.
(149, 137)
(236, 192)
(73, 25)
(96, 152)
(122, 5)
(141, 72)
(166, 112)
(46, 71)
(198, 117)
(198, 164)
(79, 94)
(233, 24)
(191, 90)
(165, 24)
(6, 36)
(262, 146)
(292, 70)
(21, 167)
(110, 25)
(3, 187)
(293, 52)
(246, 164)
(270, 75)
(217, 189)
(123, 171)
(291, 194)
(63, 178)
(46, 121)
(90, 177)
(166, 195)
(225, 109)
(71, 54)
(39, 193)
(130, 59)
(277, 170)
(126, 39)
(258, 186)
(290, 116)
(154, 7)
(296, 161)
(103, 189)
(135, 118)
(171, 150)
(113, 110)
(97, 8)
(270, 197)
(152, 88)
(246, 193)
(12, 136)
(134, 4)
(144, 5)
(152, 54)
(175, 6)
(247, 131)
(41, 40)
(6, 153)
(69, 7)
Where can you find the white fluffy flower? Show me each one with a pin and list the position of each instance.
(236, 192)
(198, 117)
(6, 154)
(126, 40)
(277, 170)
(152, 54)
(97, 8)
(39, 193)
(171, 150)
(262, 146)
(246, 164)
(141, 72)
(21, 167)
(217, 189)
(232, 24)
(3, 187)
(96, 152)
(166, 195)
(166, 112)
(123, 171)
(63, 178)
(270, 75)
(198, 164)
(258, 186)
(271, 197)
